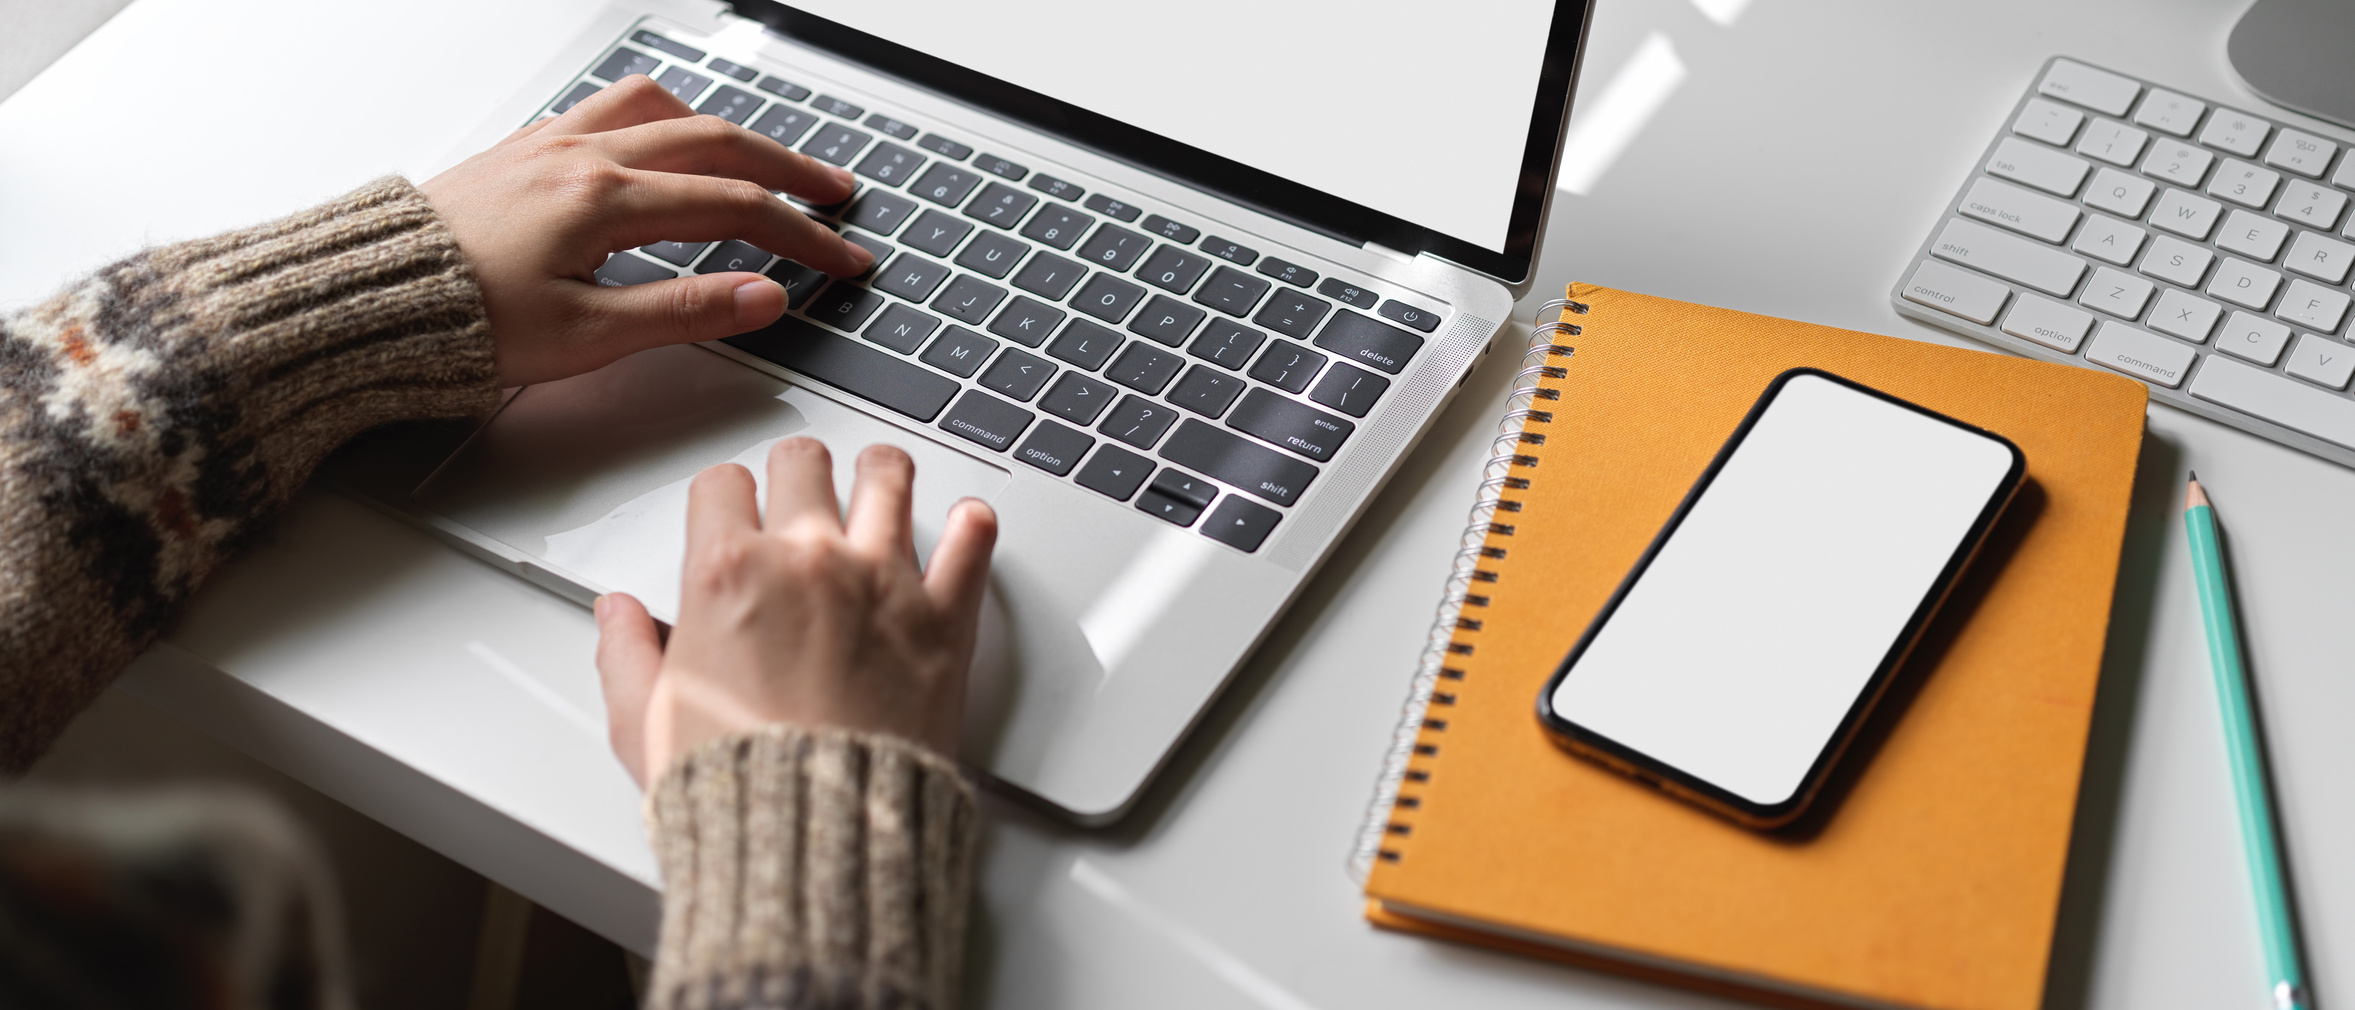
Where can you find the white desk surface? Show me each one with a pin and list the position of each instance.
(1792, 171)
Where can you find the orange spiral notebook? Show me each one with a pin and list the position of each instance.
(1933, 875)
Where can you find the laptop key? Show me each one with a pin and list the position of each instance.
(1232, 291)
(1138, 422)
(837, 107)
(936, 233)
(880, 211)
(624, 62)
(1173, 269)
(1085, 344)
(835, 144)
(1143, 368)
(1057, 188)
(622, 270)
(1116, 472)
(1349, 294)
(732, 104)
(1000, 167)
(901, 328)
(1167, 320)
(1026, 322)
(685, 83)
(1288, 366)
(1229, 251)
(681, 253)
(799, 282)
(850, 366)
(890, 164)
(1164, 507)
(735, 70)
(945, 147)
(1349, 389)
(1112, 208)
(579, 93)
(1184, 487)
(1114, 248)
(912, 277)
(1361, 339)
(1054, 448)
(657, 42)
(1421, 319)
(969, 300)
(783, 88)
(1291, 424)
(1206, 391)
(1077, 398)
(1049, 276)
(959, 352)
(1240, 524)
(1060, 227)
(1225, 456)
(1171, 230)
(734, 255)
(1226, 344)
(892, 126)
(1018, 374)
(784, 124)
(986, 420)
(992, 255)
(1107, 298)
(1290, 273)
(1293, 314)
(946, 184)
(875, 247)
(1001, 205)
(844, 306)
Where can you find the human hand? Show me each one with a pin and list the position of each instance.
(537, 214)
(793, 617)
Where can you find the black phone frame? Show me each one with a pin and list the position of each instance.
(1675, 781)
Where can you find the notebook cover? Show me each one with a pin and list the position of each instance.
(1934, 879)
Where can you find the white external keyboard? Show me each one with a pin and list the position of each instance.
(2117, 224)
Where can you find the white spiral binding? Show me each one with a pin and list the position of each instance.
(1505, 451)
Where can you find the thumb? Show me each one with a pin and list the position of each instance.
(629, 659)
(682, 310)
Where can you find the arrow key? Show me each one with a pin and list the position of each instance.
(1161, 506)
(1240, 524)
(1115, 471)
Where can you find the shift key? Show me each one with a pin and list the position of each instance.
(2008, 256)
(1226, 456)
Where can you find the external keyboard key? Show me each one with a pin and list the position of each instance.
(2114, 142)
(2313, 306)
(879, 211)
(2031, 163)
(837, 107)
(1206, 391)
(1420, 319)
(623, 63)
(2109, 240)
(1143, 368)
(936, 233)
(2051, 122)
(2322, 360)
(1226, 344)
(1171, 230)
(911, 277)
(657, 42)
(1232, 291)
(844, 306)
(854, 368)
(1111, 208)
(681, 253)
(1113, 248)
(986, 420)
(992, 255)
(1116, 472)
(2178, 162)
(902, 329)
(2253, 337)
(2005, 255)
(1107, 298)
(1054, 448)
(890, 164)
(2281, 401)
(1352, 390)
(1184, 487)
(1000, 167)
(1018, 374)
(1056, 188)
(622, 270)
(2303, 153)
(1026, 322)
(2236, 131)
(945, 147)
(1085, 344)
(1361, 339)
(2179, 313)
(2169, 113)
(579, 93)
(1166, 508)
(2119, 193)
(1240, 524)
(1060, 227)
(739, 72)
(1001, 205)
(2311, 204)
(1138, 421)
(734, 255)
(783, 88)
(732, 104)
(1078, 398)
(2007, 206)
(2144, 355)
(1049, 276)
(1348, 294)
(2047, 322)
(1173, 268)
(1293, 314)
(969, 300)
(2252, 235)
(2098, 90)
(891, 127)
(784, 124)
(1167, 320)
(946, 184)
(800, 282)
(959, 352)
(2184, 214)
(2117, 293)
(2244, 184)
(2323, 259)
(1291, 425)
(1224, 456)
(1959, 292)
(1288, 366)
(685, 83)
(1229, 251)
(835, 144)
(2244, 283)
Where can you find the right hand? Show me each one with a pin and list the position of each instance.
(793, 617)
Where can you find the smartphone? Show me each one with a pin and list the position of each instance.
(1737, 660)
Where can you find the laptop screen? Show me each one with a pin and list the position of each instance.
(1423, 128)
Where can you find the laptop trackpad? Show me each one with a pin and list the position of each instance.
(590, 474)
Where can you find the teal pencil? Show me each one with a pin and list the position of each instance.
(2248, 762)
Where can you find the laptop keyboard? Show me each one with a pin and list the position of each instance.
(2118, 224)
(1085, 333)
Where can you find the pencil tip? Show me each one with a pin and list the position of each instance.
(2195, 476)
(2194, 495)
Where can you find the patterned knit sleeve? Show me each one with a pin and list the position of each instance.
(154, 413)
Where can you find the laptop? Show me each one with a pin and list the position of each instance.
(1175, 289)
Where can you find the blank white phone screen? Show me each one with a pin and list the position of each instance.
(1739, 650)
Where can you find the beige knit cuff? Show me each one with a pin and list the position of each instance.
(812, 867)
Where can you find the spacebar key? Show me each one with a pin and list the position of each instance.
(1261, 471)
(860, 371)
(2282, 401)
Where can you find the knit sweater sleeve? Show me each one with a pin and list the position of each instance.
(154, 413)
(811, 869)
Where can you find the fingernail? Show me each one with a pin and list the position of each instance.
(843, 176)
(759, 303)
(861, 255)
(599, 608)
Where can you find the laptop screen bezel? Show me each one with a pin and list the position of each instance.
(1269, 194)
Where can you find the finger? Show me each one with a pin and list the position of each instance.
(709, 145)
(632, 101)
(614, 323)
(960, 562)
(801, 486)
(629, 658)
(644, 207)
(879, 523)
(719, 504)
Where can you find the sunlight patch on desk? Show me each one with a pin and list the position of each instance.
(1262, 989)
(1601, 132)
(1724, 12)
(531, 685)
(1142, 595)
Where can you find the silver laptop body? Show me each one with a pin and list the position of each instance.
(1177, 386)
